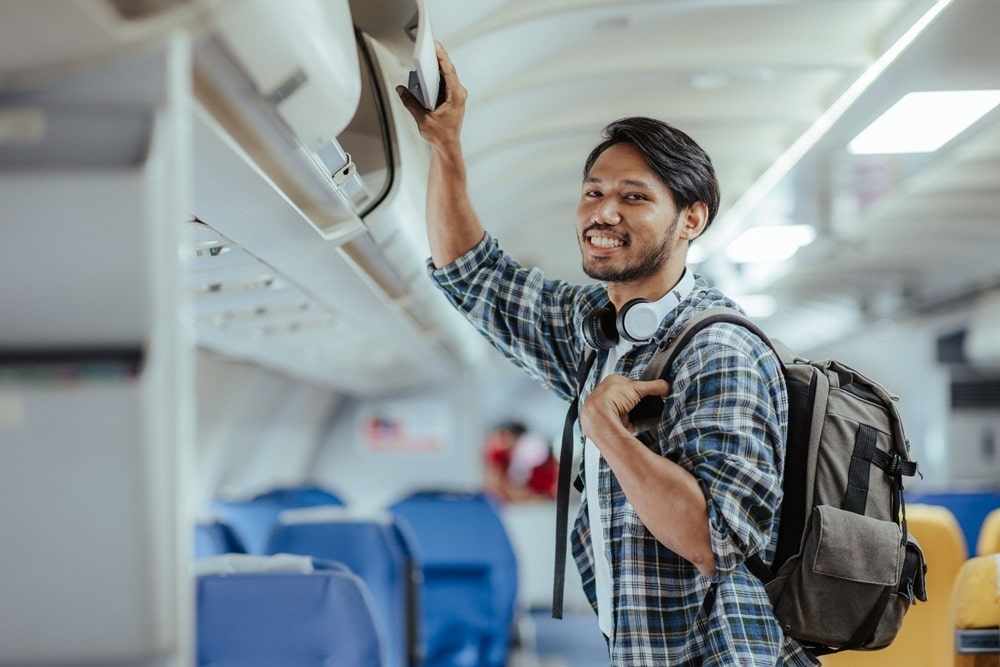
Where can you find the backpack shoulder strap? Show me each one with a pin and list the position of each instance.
(646, 415)
(646, 418)
(663, 359)
(562, 493)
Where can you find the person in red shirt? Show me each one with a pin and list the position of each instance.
(519, 465)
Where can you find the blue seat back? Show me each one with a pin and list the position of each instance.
(253, 519)
(969, 507)
(214, 538)
(375, 549)
(470, 572)
(277, 618)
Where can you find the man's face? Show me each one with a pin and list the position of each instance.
(626, 220)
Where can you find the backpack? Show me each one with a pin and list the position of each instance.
(845, 569)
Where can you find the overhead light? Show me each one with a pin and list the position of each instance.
(923, 122)
(731, 220)
(758, 305)
(770, 243)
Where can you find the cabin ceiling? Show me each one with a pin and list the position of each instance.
(288, 267)
(764, 87)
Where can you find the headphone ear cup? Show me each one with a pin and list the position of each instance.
(599, 328)
(638, 321)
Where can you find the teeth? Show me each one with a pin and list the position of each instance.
(605, 242)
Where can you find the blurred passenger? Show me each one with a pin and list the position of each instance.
(519, 465)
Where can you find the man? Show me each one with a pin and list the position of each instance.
(661, 536)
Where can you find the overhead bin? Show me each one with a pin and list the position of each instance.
(304, 245)
(284, 81)
(403, 27)
(350, 306)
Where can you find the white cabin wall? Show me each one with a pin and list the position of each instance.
(902, 356)
(974, 436)
(256, 429)
(437, 445)
(511, 395)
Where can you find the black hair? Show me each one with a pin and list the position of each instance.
(682, 165)
(515, 428)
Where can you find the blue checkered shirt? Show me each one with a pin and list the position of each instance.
(725, 423)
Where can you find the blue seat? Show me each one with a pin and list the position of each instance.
(253, 519)
(214, 538)
(378, 550)
(283, 611)
(470, 576)
(969, 507)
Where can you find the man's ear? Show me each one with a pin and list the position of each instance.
(694, 220)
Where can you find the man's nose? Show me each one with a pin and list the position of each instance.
(607, 212)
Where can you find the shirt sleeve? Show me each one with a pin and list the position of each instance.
(728, 428)
(530, 320)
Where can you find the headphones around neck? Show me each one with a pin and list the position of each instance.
(637, 322)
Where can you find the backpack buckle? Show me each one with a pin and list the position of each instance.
(895, 467)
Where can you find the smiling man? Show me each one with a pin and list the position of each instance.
(663, 533)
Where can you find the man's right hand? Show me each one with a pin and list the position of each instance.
(442, 126)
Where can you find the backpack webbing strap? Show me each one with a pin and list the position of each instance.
(856, 495)
(562, 493)
(893, 464)
(759, 568)
(864, 456)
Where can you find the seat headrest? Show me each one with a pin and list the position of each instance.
(243, 563)
(333, 514)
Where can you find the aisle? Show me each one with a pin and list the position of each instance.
(573, 641)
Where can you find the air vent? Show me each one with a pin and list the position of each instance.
(951, 348)
(976, 394)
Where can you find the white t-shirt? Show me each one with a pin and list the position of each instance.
(592, 457)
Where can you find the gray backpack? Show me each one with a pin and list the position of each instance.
(845, 570)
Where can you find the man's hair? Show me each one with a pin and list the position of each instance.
(682, 165)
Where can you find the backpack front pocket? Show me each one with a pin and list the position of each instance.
(847, 561)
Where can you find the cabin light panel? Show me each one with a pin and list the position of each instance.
(758, 305)
(769, 243)
(922, 122)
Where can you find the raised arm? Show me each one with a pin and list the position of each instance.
(453, 227)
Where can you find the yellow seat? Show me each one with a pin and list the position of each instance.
(989, 535)
(975, 612)
(926, 638)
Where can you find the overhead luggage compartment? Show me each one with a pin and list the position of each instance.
(304, 241)
(299, 145)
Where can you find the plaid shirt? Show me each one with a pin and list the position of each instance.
(725, 424)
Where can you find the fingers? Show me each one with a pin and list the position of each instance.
(638, 388)
(651, 387)
(454, 92)
(411, 103)
(444, 61)
(608, 406)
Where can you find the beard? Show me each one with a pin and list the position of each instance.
(649, 262)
